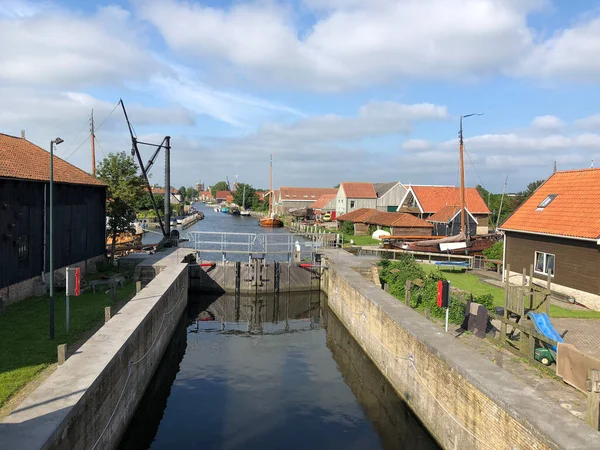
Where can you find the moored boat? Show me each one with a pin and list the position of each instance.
(270, 221)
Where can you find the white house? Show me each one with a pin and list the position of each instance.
(354, 195)
(389, 195)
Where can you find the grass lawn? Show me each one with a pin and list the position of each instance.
(471, 283)
(360, 240)
(25, 345)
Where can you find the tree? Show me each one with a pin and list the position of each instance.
(146, 203)
(125, 189)
(220, 186)
(337, 186)
(531, 188)
(243, 197)
(183, 193)
(192, 193)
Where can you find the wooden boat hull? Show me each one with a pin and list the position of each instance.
(270, 222)
(476, 246)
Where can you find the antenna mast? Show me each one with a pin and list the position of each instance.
(93, 140)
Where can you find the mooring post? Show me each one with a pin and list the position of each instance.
(427, 314)
(107, 314)
(407, 292)
(592, 416)
(62, 353)
(138, 287)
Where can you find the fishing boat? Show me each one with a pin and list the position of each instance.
(462, 243)
(271, 220)
(244, 211)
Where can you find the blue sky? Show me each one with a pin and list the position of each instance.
(338, 90)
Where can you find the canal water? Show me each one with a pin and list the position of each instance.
(269, 372)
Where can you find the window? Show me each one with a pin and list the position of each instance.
(23, 249)
(544, 263)
(547, 201)
(351, 203)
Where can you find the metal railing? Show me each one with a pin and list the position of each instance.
(276, 246)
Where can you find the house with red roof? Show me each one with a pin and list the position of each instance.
(325, 204)
(399, 224)
(221, 196)
(289, 198)
(425, 201)
(557, 231)
(79, 218)
(447, 221)
(355, 195)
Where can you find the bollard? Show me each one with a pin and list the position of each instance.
(138, 287)
(106, 314)
(499, 358)
(62, 353)
(592, 413)
(427, 314)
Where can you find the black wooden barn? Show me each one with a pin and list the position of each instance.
(446, 222)
(79, 215)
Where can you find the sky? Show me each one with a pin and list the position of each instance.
(335, 90)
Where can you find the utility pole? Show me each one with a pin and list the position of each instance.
(462, 173)
(93, 140)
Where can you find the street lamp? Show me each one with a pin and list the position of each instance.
(51, 238)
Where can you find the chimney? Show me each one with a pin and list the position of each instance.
(23, 134)
(554, 166)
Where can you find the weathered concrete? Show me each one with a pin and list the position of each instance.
(88, 401)
(254, 278)
(466, 401)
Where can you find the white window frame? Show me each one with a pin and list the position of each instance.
(544, 272)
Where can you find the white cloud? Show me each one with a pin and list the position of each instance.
(352, 45)
(570, 54)
(419, 145)
(62, 48)
(591, 123)
(547, 123)
(373, 119)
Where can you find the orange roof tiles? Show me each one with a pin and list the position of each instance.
(386, 219)
(434, 198)
(303, 193)
(358, 215)
(222, 194)
(323, 201)
(358, 190)
(574, 212)
(24, 160)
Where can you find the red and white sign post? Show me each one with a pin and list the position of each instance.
(73, 287)
(443, 297)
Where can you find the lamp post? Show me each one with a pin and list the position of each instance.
(51, 237)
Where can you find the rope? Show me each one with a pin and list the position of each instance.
(129, 369)
(106, 118)
(78, 147)
(411, 364)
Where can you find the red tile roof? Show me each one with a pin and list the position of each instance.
(574, 212)
(303, 193)
(222, 194)
(386, 219)
(24, 160)
(323, 201)
(359, 190)
(445, 214)
(359, 215)
(434, 198)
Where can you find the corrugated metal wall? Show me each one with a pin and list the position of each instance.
(79, 231)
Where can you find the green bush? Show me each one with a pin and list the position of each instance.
(347, 227)
(396, 273)
(496, 251)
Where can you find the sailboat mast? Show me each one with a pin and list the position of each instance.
(462, 179)
(270, 184)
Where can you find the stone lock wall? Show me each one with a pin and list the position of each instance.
(464, 400)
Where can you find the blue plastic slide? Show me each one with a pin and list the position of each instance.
(542, 325)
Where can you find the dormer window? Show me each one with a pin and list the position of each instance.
(546, 201)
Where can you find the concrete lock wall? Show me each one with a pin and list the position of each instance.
(254, 278)
(88, 401)
(465, 400)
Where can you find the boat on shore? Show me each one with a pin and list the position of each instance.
(224, 209)
(271, 220)
(245, 213)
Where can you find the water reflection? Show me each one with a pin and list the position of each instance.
(258, 373)
(396, 424)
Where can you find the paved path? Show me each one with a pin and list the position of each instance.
(582, 333)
